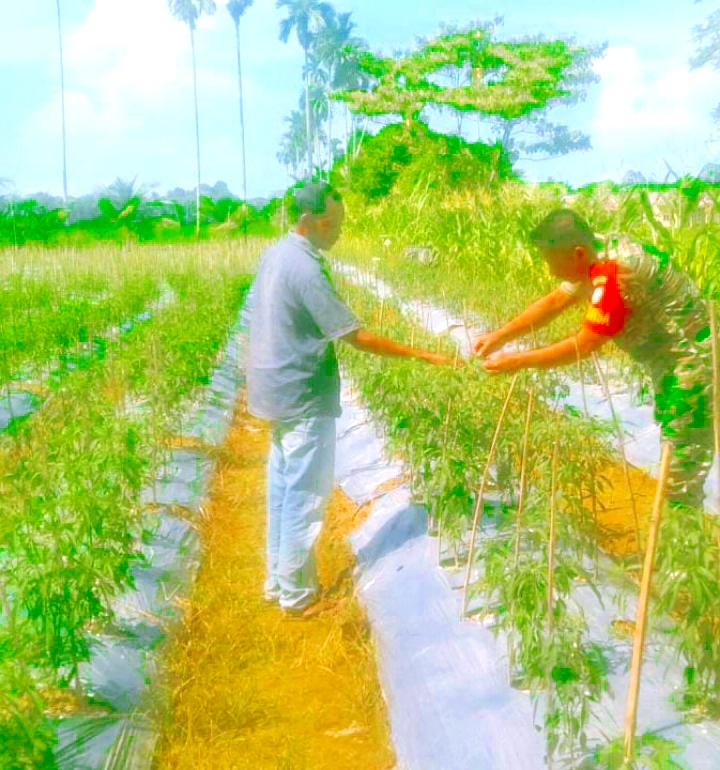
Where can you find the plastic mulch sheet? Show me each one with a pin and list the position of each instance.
(445, 680)
(641, 435)
(16, 404)
(123, 660)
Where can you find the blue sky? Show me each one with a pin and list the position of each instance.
(129, 88)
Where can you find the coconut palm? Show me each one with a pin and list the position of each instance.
(189, 11)
(336, 49)
(306, 17)
(293, 146)
(236, 9)
(62, 103)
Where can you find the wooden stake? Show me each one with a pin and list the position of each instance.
(644, 602)
(621, 441)
(593, 469)
(716, 388)
(467, 328)
(481, 494)
(523, 469)
(382, 313)
(550, 598)
(553, 528)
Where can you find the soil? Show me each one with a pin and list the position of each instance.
(246, 687)
(615, 525)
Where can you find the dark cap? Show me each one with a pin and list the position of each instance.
(312, 197)
(562, 228)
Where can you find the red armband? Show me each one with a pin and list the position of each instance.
(607, 312)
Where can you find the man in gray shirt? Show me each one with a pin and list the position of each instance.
(294, 317)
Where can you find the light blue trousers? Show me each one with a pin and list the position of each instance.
(300, 481)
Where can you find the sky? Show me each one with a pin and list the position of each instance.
(128, 88)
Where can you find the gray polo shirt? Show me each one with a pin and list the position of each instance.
(294, 314)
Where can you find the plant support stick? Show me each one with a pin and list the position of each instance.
(643, 604)
(481, 495)
(621, 441)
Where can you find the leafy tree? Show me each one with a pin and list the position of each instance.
(336, 50)
(189, 11)
(236, 9)
(512, 85)
(522, 77)
(293, 146)
(306, 17)
(533, 136)
(62, 102)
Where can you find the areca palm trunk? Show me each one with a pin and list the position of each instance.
(242, 124)
(307, 117)
(62, 103)
(197, 134)
(330, 136)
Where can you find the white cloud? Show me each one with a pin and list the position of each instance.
(647, 104)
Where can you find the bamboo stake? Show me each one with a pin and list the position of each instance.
(716, 388)
(467, 328)
(621, 441)
(523, 470)
(551, 564)
(437, 519)
(481, 494)
(518, 520)
(382, 313)
(553, 527)
(644, 602)
(593, 468)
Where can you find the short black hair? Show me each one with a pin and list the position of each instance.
(312, 197)
(561, 229)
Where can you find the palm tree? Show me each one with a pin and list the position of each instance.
(189, 11)
(236, 9)
(62, 102)
(293, 146)
(306, 17)
(335, 47)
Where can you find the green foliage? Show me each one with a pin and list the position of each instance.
(525, 77)
(27, 741)
(415, 156)
(651, 753)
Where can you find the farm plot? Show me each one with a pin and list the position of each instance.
(77, 486)
(538, 575)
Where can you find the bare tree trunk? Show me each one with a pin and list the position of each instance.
(197, 135)
(309, 137)
(330, 136)
(242, 124)
(62, 102)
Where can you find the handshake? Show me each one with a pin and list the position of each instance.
(483, 346)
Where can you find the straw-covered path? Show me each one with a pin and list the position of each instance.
(245, 687)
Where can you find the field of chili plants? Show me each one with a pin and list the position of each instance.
(117, 373)
(515, 486)
(475, 256)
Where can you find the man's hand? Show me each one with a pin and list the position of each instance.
(437, 359)
(485, 344)
(503, 362)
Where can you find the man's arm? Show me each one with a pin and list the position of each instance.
(382, 346)
(567, 351)
(539, 314)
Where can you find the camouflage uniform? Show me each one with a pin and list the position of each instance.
(667, 330)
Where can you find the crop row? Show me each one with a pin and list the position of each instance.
(71, 484)
(533, 554)
(482, 263)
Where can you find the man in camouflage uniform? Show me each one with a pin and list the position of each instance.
(651, 310)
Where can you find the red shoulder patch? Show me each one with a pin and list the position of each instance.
(607, 312)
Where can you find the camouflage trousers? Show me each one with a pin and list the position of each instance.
(684, 410)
